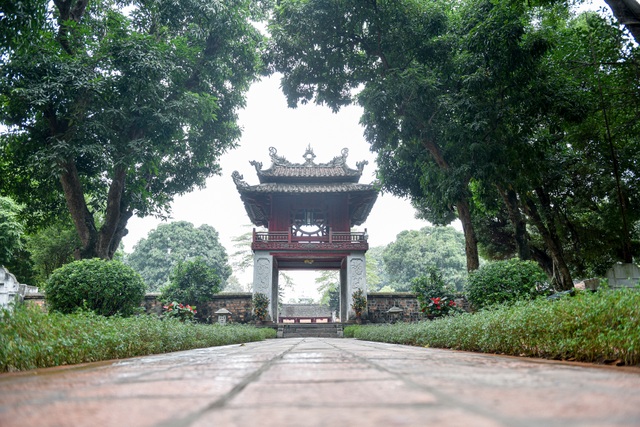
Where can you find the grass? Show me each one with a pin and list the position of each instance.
(602, 327)
(30, 338)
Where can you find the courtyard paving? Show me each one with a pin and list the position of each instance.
(321, 382)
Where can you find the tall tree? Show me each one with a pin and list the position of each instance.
(415, 251)
(121, 111)
(11, 230)
(156, 256)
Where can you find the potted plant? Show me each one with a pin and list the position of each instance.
(260, 307)
(359, 304)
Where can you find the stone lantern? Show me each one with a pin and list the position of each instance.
(394, 313)
(223, 316)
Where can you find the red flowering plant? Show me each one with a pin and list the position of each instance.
(182, 312)
(436, 297)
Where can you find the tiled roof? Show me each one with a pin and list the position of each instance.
(275, 187)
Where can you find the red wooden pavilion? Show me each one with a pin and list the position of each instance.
(308, 211)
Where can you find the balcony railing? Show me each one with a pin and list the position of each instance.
(285, 239)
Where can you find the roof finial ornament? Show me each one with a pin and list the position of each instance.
(309, 156)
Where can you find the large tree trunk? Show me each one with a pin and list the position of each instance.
(470, 240)
(462, 207)
(627, 12)
(561, 273)
(521, 238)
(96, 243)
(111, 227)
(82, 218)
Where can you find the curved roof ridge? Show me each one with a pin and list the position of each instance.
(282, 169)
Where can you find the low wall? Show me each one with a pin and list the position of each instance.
(379, 303)
(239, 304)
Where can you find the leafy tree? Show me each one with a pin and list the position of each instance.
(156, 256)
(480, 107)
(119, 111)
(377, 277)
(328, 282)
(51, 248)
(431, 73)
(11, 230)
(414, 253)
(234, 285)
(192, 282)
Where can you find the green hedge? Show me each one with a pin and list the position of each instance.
(590, 327)
(105, 287)
(30, 338)
(500, 282)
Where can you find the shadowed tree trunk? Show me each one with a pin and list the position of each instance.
(561, 273)
(521, 238)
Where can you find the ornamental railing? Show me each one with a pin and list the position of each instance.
(332, 237)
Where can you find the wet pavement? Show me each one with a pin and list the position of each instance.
(321, 382)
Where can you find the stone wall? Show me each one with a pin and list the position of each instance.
(239, 304)
(379, 303)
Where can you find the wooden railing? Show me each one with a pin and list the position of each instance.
(343, 237)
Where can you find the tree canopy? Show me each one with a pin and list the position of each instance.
(116, 110)
(414, 252)
(485, 110)
(159, 254)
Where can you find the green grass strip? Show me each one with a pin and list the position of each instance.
(590, 327)
(30, 338)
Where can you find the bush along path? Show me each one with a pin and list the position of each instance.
(601, 327)
(30, 338)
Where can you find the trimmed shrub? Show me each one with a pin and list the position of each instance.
(503, 282)
(104, 287)
(192, 282)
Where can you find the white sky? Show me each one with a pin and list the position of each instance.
(267, 122)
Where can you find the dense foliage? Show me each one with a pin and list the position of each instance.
(10, 230)
(156, 256)
(501, 282)
(414, 252)
(518, 118)
(116, 107)
(591, 327)
(192, 282)
(52, 247)
(104, 287)
(31, 339)
(436, 297)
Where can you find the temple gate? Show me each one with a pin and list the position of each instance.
(308, 210)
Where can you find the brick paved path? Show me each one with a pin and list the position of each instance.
(321, 382)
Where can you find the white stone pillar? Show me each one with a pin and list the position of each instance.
(263, 282)
(356, 279)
